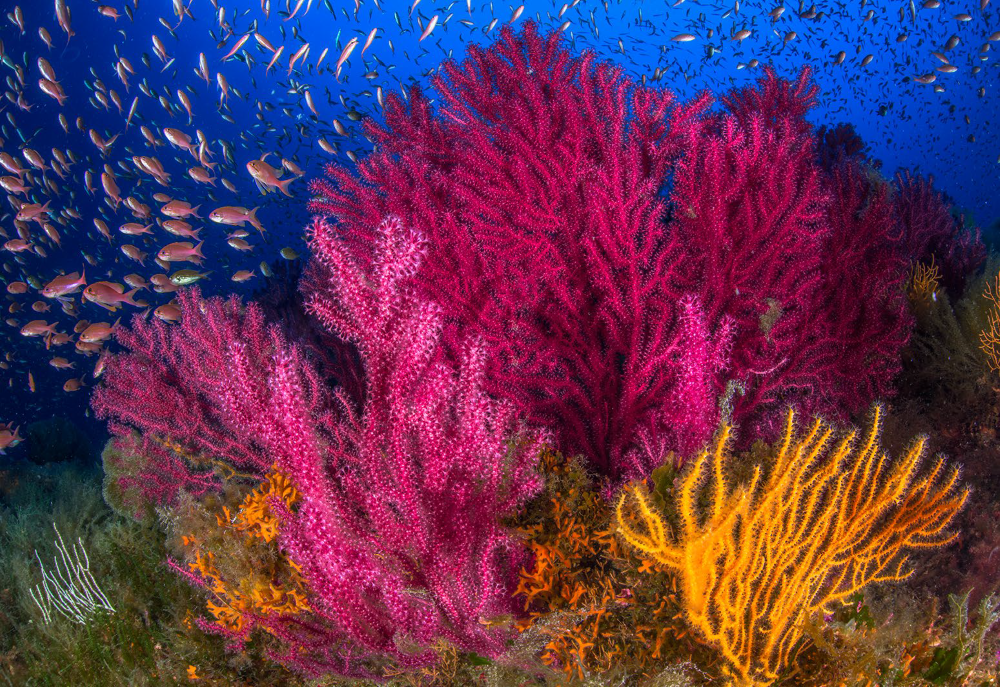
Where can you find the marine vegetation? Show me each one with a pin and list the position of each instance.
(479, 448)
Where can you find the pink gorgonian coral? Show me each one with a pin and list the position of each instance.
(398, 532)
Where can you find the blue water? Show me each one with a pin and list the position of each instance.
(905, 124)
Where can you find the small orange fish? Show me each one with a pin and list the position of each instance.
(109, 295)
(44, 35)
(10, 164)
(179, 209)
(97, 332)
(134, 253)
(17, 245)
(53, 90)
(200, 174)
(62, 15)
(111, 188)
(101, 363)
(65, 284)
(430, 27)
(267, 176)
(179, 227)
(182, 251)
(136, 281)
(88, 347)
(180, 139)
(38, 328)
(235, 48)
(344, 54)
(236, 216)
(32, 211)
(135, 229)
(168, 313)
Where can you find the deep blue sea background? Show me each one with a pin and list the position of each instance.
(904, 123)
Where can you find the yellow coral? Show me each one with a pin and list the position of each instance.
(925, 281)
(762, 557)
(990, 338)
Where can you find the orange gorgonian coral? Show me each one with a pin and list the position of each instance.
(254, 516)
(990, 338)
(760, 558)
(618, 617)
(925, 281)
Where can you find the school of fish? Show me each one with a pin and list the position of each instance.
(131, 157)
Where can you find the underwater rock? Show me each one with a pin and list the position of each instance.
(57, 440)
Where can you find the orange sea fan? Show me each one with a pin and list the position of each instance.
(761, 558)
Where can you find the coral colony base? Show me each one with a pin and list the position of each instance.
(548, 412)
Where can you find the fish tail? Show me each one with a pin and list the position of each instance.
(283, 185)
(254, 222)
(128, 297)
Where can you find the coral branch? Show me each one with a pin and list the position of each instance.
(398, 530)
(818, 527)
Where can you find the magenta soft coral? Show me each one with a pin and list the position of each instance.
(930, 230)
(203, 385)
(398, 531)
(540, 183)
(537, 183)
(749, 209)
(861, 308)
(801, 250)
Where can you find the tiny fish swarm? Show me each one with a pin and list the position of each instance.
(759, 559)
